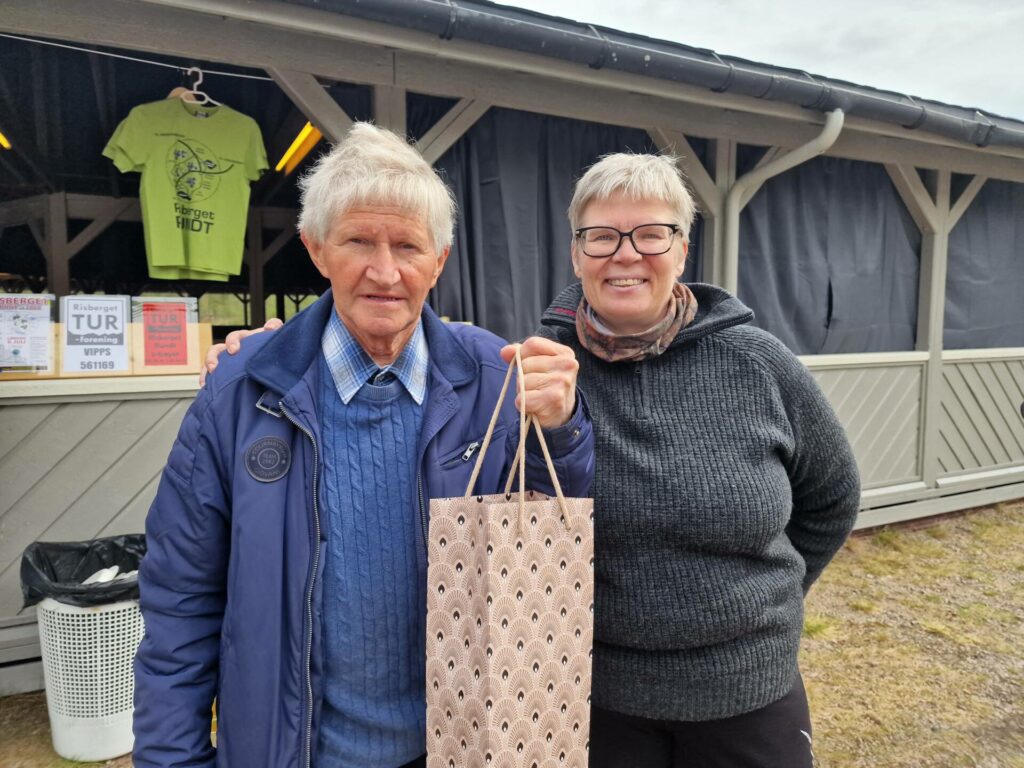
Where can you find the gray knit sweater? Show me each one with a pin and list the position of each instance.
(724, 484)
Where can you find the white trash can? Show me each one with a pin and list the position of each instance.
(87, 665)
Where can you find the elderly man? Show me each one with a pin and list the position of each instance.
(286, 571)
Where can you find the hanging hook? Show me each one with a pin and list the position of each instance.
(200, 97)
(198, 74)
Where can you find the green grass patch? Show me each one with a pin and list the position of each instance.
(923, 668)
(818, 627)
(864, 606)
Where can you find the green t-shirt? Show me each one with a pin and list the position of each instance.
(196, 164)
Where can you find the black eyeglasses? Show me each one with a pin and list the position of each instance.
(647, 239)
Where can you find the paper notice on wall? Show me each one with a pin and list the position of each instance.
(165, 327)
(26, 333)
(95, 334)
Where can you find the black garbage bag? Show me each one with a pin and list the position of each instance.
(57, 569)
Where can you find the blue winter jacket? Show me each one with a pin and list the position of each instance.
(231, 587)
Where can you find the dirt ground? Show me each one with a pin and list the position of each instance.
(913, 649)
(913, 653)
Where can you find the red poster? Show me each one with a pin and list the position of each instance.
(165, 329)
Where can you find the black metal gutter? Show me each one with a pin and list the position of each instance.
(479, 21)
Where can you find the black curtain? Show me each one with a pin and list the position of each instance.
(512, 174)
(828, 259)
(985, 272)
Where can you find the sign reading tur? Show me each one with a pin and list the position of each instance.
(95, 334)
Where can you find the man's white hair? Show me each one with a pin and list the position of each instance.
(373, 166)
(638, 177)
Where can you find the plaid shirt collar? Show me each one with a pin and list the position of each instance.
(351, 367)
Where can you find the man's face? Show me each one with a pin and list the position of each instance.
(381, 263)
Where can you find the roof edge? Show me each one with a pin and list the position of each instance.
(486, 23)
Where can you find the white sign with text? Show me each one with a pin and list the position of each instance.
(95, 334)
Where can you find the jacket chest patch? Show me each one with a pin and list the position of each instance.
(268, 459)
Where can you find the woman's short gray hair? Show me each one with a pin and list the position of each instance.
(638, 177)
(376, 167)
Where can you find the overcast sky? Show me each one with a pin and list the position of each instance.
(969, 53)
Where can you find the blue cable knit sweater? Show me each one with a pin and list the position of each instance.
(374, 593)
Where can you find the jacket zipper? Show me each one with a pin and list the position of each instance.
(470, 450)
(639, 377)
(309, 593)
(423, 513)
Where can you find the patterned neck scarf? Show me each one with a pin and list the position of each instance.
(599, 340)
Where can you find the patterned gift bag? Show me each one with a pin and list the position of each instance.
(509, 623)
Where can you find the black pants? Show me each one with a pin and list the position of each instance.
(419, 762)
(776, 736)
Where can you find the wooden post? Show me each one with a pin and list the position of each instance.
(932, 216)
(254, 258)
(724, 171)
(58, 275)
(389, 108)
(710, 196)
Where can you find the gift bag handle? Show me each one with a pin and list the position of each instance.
(520, 458)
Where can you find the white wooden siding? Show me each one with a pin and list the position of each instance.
(76, 471)
(981, 425)
(880, 408)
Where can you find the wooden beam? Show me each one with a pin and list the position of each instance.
(860, 140)
(450, 128)
(279, 242)
(104, 211)
(297, 38)
(254, 256)
(964, 201)
(714, 233)
(98, 225)
(35, 227)
(389, 108)
(429, 47)
(915, 196)
(94, 206)
(279, 218)
(675, 142)
(137, 27)
(771, 167)
(9, 167)
(854, 145)
(16, 213)
(931, 307)
(58, 278)
(314, 102)
(426, 47)
(535, 93)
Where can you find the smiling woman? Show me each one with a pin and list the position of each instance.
(723, 486)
